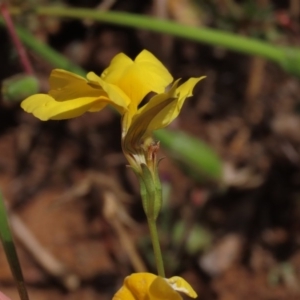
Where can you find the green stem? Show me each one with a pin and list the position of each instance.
(287, 57)
(156, 247)
(214, 37)
(16, 39)
(10, 250)
(151, 194)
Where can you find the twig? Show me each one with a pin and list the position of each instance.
(256, 78)
(15, 39)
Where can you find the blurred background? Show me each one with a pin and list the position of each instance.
(230, 224)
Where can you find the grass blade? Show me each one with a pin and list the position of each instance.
(10, 251)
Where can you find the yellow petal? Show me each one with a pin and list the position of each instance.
(162, 109)
(180, 285)
(65, 86)
(154, 112)
(159, 112)
(45, 107)
(135, 287)
(127, 118)
(115, 71)
(184, 91)
(60, 78)
(137, 78)
(160, 289)
(117, 97)
(147, 286)
(124, 293)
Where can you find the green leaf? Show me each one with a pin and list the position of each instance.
(10, 251)
(195, 157)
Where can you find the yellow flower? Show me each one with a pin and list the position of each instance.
(124, 84)
(147, 286)
(133, 80)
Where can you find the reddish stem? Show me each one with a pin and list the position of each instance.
(15, 39)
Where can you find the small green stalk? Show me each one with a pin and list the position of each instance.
(151, 194)
(156, 247)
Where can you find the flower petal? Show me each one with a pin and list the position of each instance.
(137, 78)
(117, 97)
(153, 113)
(180, 285)
(162, 109)
(159, 112)
(124, 293)
(184, 91)
(65, 86)
(45, 107)
(160, 289)
(115, 71)
(135, 287)
(147, 286)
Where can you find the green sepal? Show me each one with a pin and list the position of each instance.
(156, 177)
(151, 193)
(158, 192)
(150, 189)
(144, 194)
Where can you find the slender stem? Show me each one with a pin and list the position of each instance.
(6, 238)
(287, 57)
(48, 53)
(214, 37)
(15, 39)
(156, 247)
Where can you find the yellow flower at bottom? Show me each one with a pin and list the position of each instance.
(147, 286)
